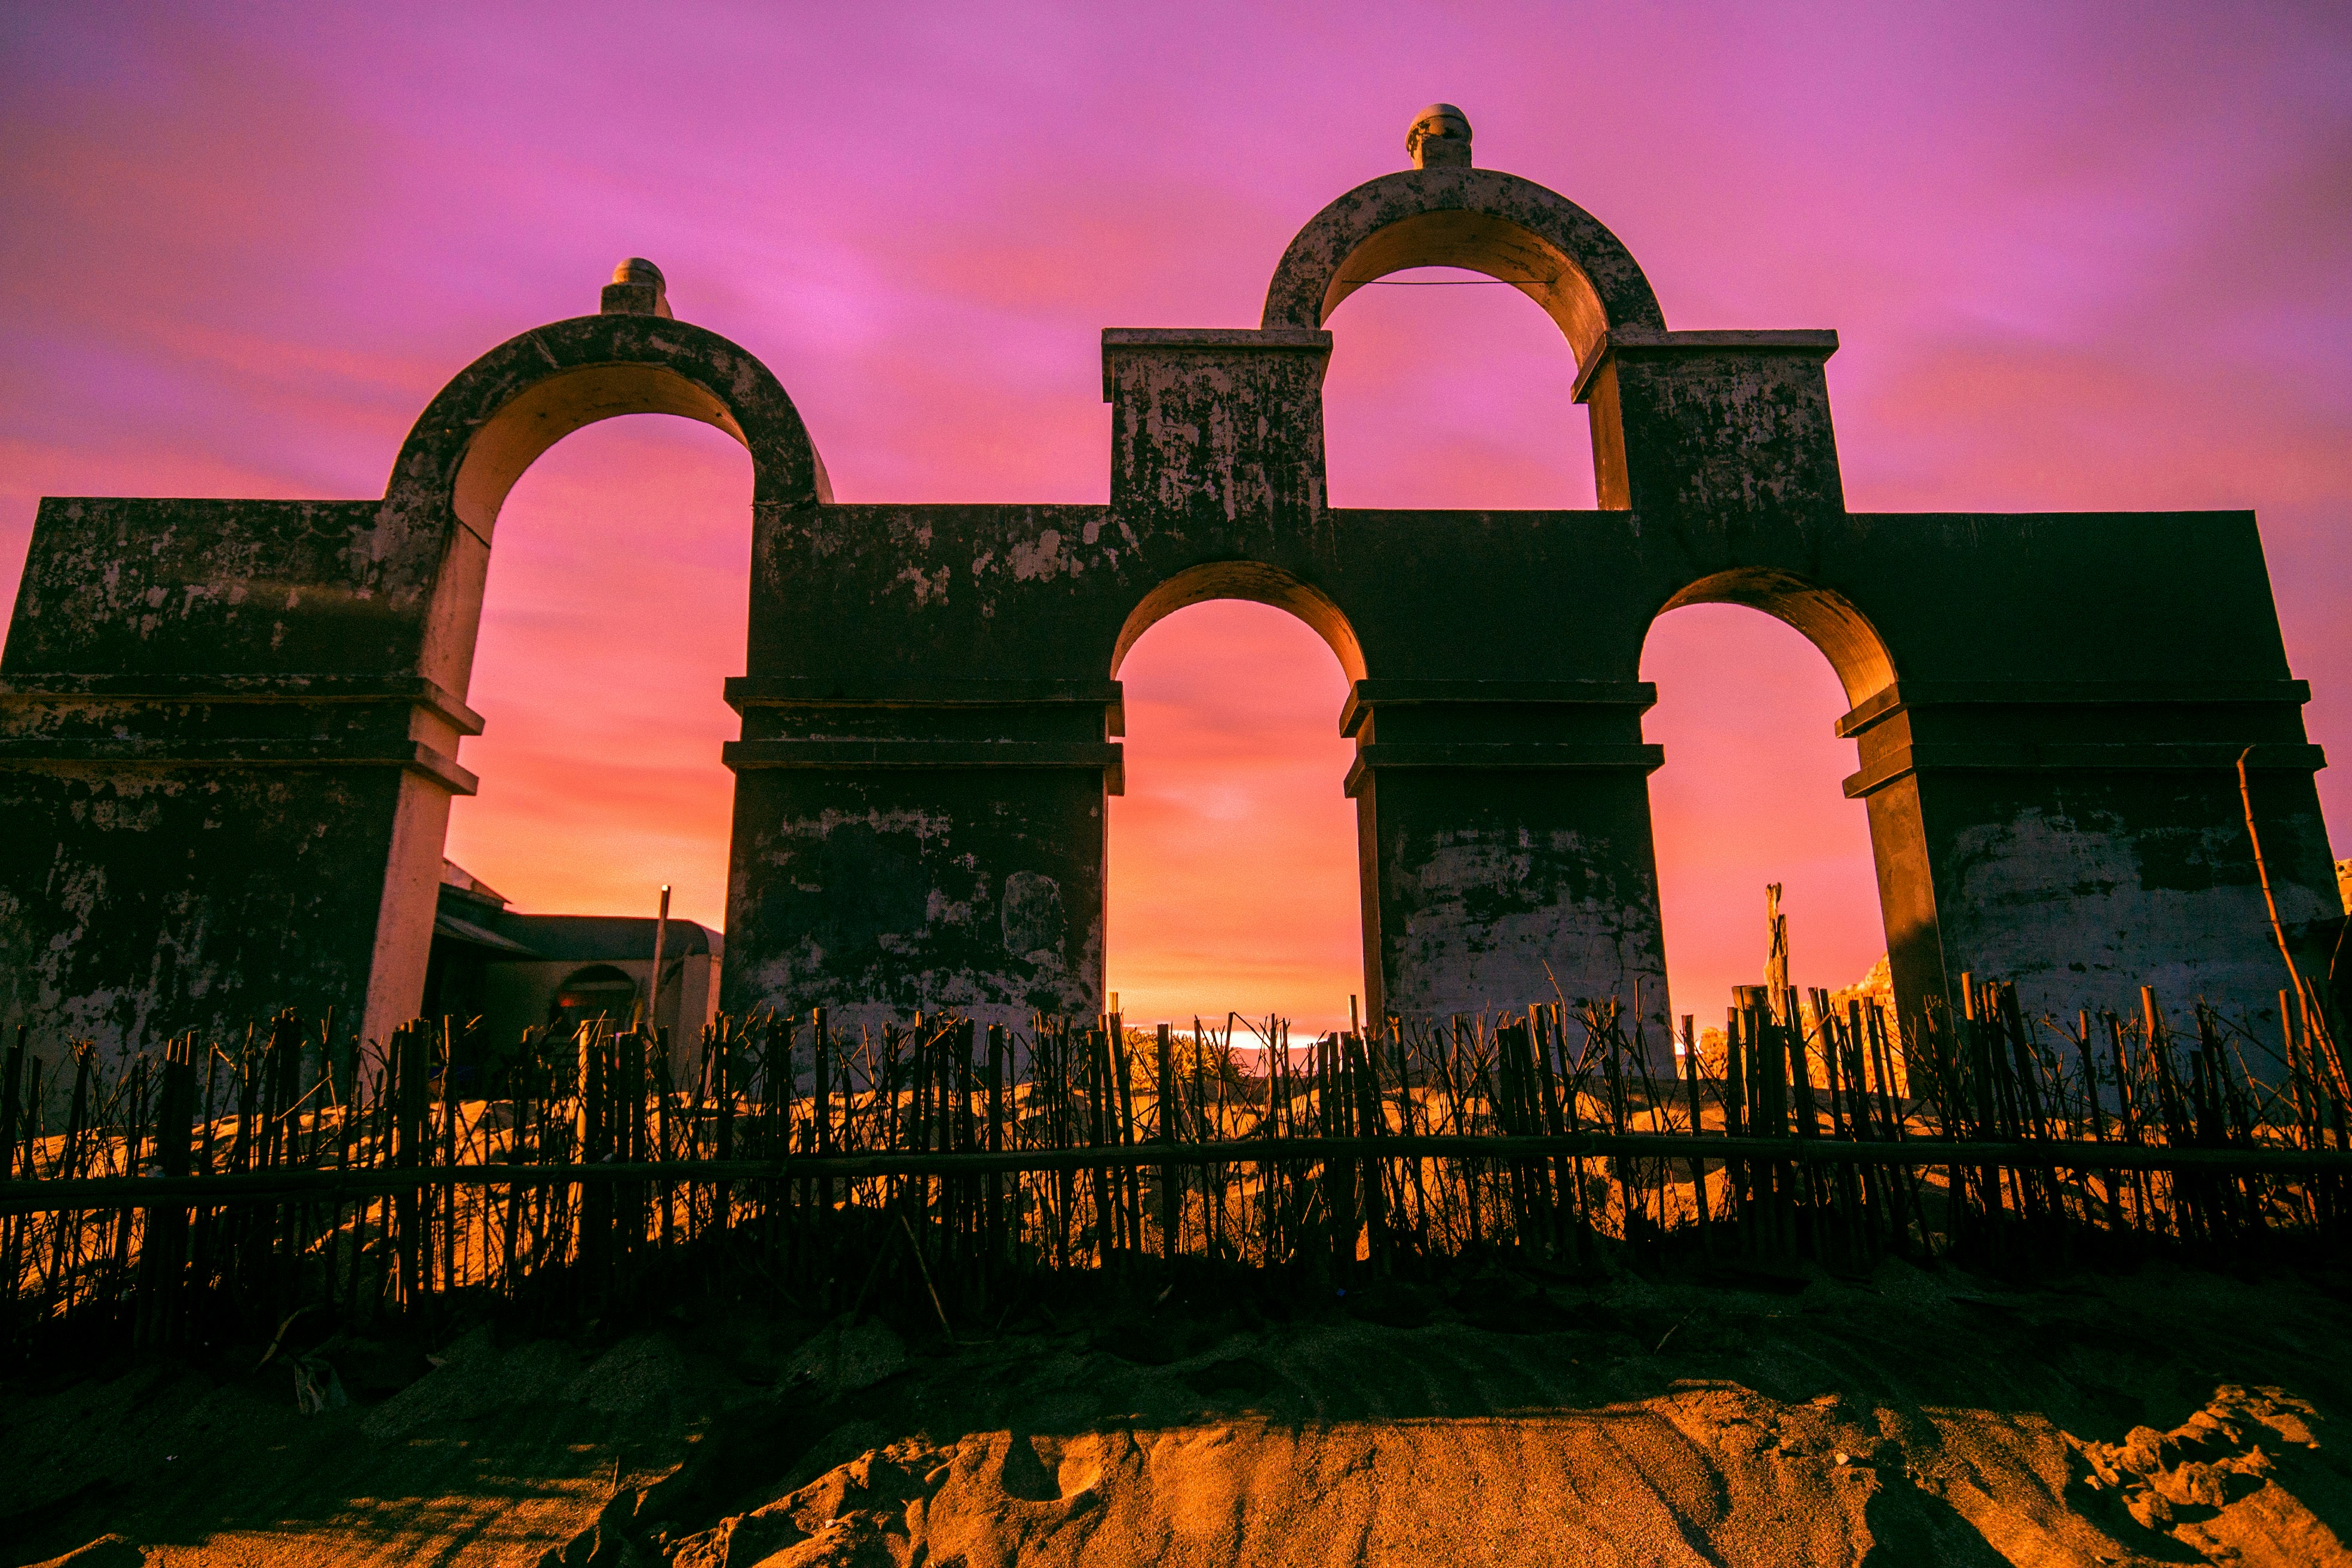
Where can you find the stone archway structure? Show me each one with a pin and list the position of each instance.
(2047, 710)
(228, 729)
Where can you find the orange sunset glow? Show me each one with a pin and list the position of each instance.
(892, 1042)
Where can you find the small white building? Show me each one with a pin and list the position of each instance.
(497, 972)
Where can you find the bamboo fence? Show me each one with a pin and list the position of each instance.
(953, 1170)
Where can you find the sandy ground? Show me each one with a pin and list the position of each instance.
(1917, 1417)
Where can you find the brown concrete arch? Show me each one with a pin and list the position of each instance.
(500, 413)
(1858, 652)
(1511, 229)
(1482, 220)
(929, 734)
(462, 458)
(1256, 581)
(1829, 620)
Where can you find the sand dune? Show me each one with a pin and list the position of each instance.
(1919, 1418)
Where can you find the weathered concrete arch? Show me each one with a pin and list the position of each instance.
(1833, 623)
(1256, 582)
(461, 460)
(269, 698)
(228, 729)
(1482, 220)
(1865, 668)
(1632, 372)
(502, 413)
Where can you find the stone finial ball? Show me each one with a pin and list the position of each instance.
(1439, 122)
(637, 270)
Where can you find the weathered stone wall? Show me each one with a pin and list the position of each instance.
(120, 586)
(1500, 769)
(215, 760)
(228, 729)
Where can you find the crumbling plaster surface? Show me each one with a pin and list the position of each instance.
(117, 587)
(2123, 897)
(1532, 915)
(985, 904)
(94, 857)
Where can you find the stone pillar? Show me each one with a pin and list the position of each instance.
(2083, 839)
(198, 851)
(222, 780)
(1505, 828)
(913, 844)
(1216, 431)
(1714, 433)
(1722, 446)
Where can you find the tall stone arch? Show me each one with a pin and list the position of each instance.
(2049, 712)
(479, 437)
(1500, 773)
(495, 417)
(1481, 220)
(232, 727)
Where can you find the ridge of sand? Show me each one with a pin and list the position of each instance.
(2167, 1417)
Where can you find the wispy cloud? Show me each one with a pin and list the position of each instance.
(2078, 258)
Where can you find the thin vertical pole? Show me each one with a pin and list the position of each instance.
(1164, 1104)
(1699, 1163)
(661, 940)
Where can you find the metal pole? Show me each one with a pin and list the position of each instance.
(661, 939)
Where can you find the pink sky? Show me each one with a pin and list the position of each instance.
(2079, 259)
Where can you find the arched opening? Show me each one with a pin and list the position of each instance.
(1258, 582)
(1509, 231)
(1447, 389)
(1751, 793)
(1233, 881)
(1837, 629)
(1546, 246)
(458, 473)
(500, 414)
(510, 446)
(612, 611)
(598, 990)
